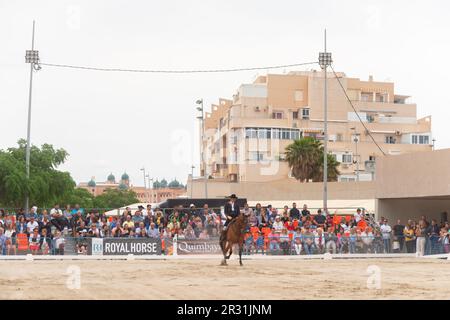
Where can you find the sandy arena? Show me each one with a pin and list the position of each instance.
(401, 278)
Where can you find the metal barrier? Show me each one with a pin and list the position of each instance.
(287, 244)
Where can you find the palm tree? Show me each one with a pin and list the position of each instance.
(332, 169)
(305, 158)
(302, 156)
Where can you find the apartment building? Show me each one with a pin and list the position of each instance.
(245, 137)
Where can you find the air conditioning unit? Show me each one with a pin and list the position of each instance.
(294, 125)
(257, 109)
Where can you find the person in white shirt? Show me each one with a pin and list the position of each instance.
(57, 218)
(386, 234)
(358, 215)
(277, 225)
(31, 225)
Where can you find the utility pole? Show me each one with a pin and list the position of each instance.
(202, 139)
(31, 57)
(324, 61)
(145, 181)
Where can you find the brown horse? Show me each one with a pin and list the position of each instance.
(234, 234)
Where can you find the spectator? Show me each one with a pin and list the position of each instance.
(138, 218)
(31, 225)
(386, 230)
(94, 231)
(128, 222)
(294, 213)
(57, 218)
(319, 239)
(358, 216)
(21, 225)
(260, 243)
(367, 240)
(277, 225)
(284, 242)
(305, 212)
(421, 232)
(263, 219)
(45, 242)
(319, 219)
(409, 236)
(308, 241)
(433, 234)
(352, 240)
(10, 239)
(153, 231)
(285, 215)
(34, 241)
(297, 241)
(58, 243)
(274, 242)
(204, 235)
(258, 210)
(397, 231)
(330, 241)
(3, 242)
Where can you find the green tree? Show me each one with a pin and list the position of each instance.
(115, 198)
(46, 184)
(305, 158)
(78, 196)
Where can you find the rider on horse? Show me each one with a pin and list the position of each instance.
(231, 210)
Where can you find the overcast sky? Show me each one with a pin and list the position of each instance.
(116, 122)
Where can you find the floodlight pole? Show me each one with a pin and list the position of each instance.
(324, 62)
(202, 147)
(28, 147)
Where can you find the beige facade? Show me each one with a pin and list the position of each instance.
(245, 137)
(406, 186)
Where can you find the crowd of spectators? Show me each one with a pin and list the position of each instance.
(289, 230)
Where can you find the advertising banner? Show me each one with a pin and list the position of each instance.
(136, 246)
(198, 246)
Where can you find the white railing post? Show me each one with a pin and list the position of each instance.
(175, 246)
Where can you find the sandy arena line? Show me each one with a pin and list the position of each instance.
(401, 278)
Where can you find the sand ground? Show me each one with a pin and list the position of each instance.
(403, 278)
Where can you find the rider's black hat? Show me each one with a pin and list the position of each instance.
(233, 196)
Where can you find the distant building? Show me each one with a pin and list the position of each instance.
(160, 190)
(246, 136)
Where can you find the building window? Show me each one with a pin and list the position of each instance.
(256, 156)
(305, 113)
(277, 115)
(366, 96)
(371, 158)
(346, 158)
(390, 140)
(420, 139)
(295, 115)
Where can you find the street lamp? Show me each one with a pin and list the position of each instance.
(201, 117)
(31, 57)
(356, 156)
(192, 179)
(145, 182)
(324, 61)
